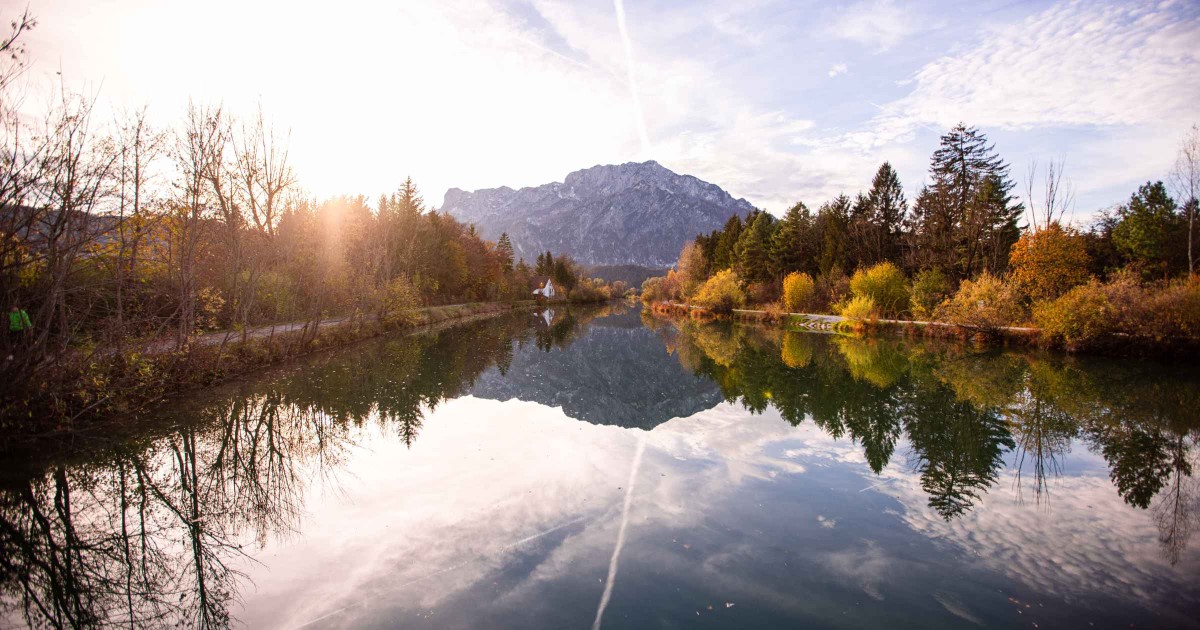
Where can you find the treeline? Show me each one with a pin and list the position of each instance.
(119, 237)
(959, 253)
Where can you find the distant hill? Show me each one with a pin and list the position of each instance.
(627, 214)
(648, 388)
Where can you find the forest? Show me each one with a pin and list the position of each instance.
(122, 242)
(967, 251)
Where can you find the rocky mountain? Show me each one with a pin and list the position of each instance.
(648, 387)
(625, 214)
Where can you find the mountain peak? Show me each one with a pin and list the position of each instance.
(639, 213)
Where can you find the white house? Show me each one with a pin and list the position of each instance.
(546, 291)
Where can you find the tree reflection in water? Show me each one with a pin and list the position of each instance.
(145, 535)
(964, 412)
(150, 532)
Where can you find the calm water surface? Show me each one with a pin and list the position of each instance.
(601, 468)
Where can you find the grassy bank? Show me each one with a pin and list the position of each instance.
(77, 392)
(1112, 344)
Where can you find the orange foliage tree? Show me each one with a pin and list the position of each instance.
(1048, 262)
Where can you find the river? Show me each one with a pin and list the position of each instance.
(602, 467)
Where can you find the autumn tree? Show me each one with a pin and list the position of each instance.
(1047, 262)
(692, 268)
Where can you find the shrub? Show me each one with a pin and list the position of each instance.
(860, 310)
(1077, 319)
(1175, 310)
(1049, 262)
(773, 312)
(987, 303)
(652, 290)
(930, 288)
(721, 293)
(1131, 303)
(400, 302)
(885, 285)
(798, 292)
(832, 290)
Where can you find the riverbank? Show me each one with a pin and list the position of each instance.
(1004, 336)
(109, 384)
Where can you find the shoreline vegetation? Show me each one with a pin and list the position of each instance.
(959, 261)
(80, 394)
(125, 242)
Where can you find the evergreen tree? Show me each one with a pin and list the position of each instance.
(887, 209)
(793, 248)
(754, 249)
(1146, 226)
(724, 254)
(564, 275)
(504, 249)
(830, 231)
(860, 234)
(966, 220)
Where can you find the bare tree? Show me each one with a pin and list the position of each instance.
(265, 175)
(139, 145)
(12, 49)
(194, 151)
(1057, 195)
(1185, 178)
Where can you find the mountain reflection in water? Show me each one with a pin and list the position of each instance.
(479, 475)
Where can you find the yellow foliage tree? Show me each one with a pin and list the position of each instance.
(721, 293)
(798, 292)
(885, 285)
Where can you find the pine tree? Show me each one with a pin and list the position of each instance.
(724, 255)
(1146, 226)
(887, 210)
(830, 232)
(793, 248)
(505, 249)
(966, 220)
(754, 249)
(860, 234)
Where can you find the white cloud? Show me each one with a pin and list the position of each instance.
(468, 94)
(1074, 64)
(877, 24)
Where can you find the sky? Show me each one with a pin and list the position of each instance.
(776, 102)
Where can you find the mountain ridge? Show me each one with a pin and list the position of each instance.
(636, 213)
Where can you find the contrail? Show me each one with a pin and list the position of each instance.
(633, 88)
(460, 565)
(612, 564)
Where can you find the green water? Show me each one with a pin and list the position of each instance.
(600, 467)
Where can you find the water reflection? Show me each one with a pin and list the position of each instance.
(167, 526)
(962, 412)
